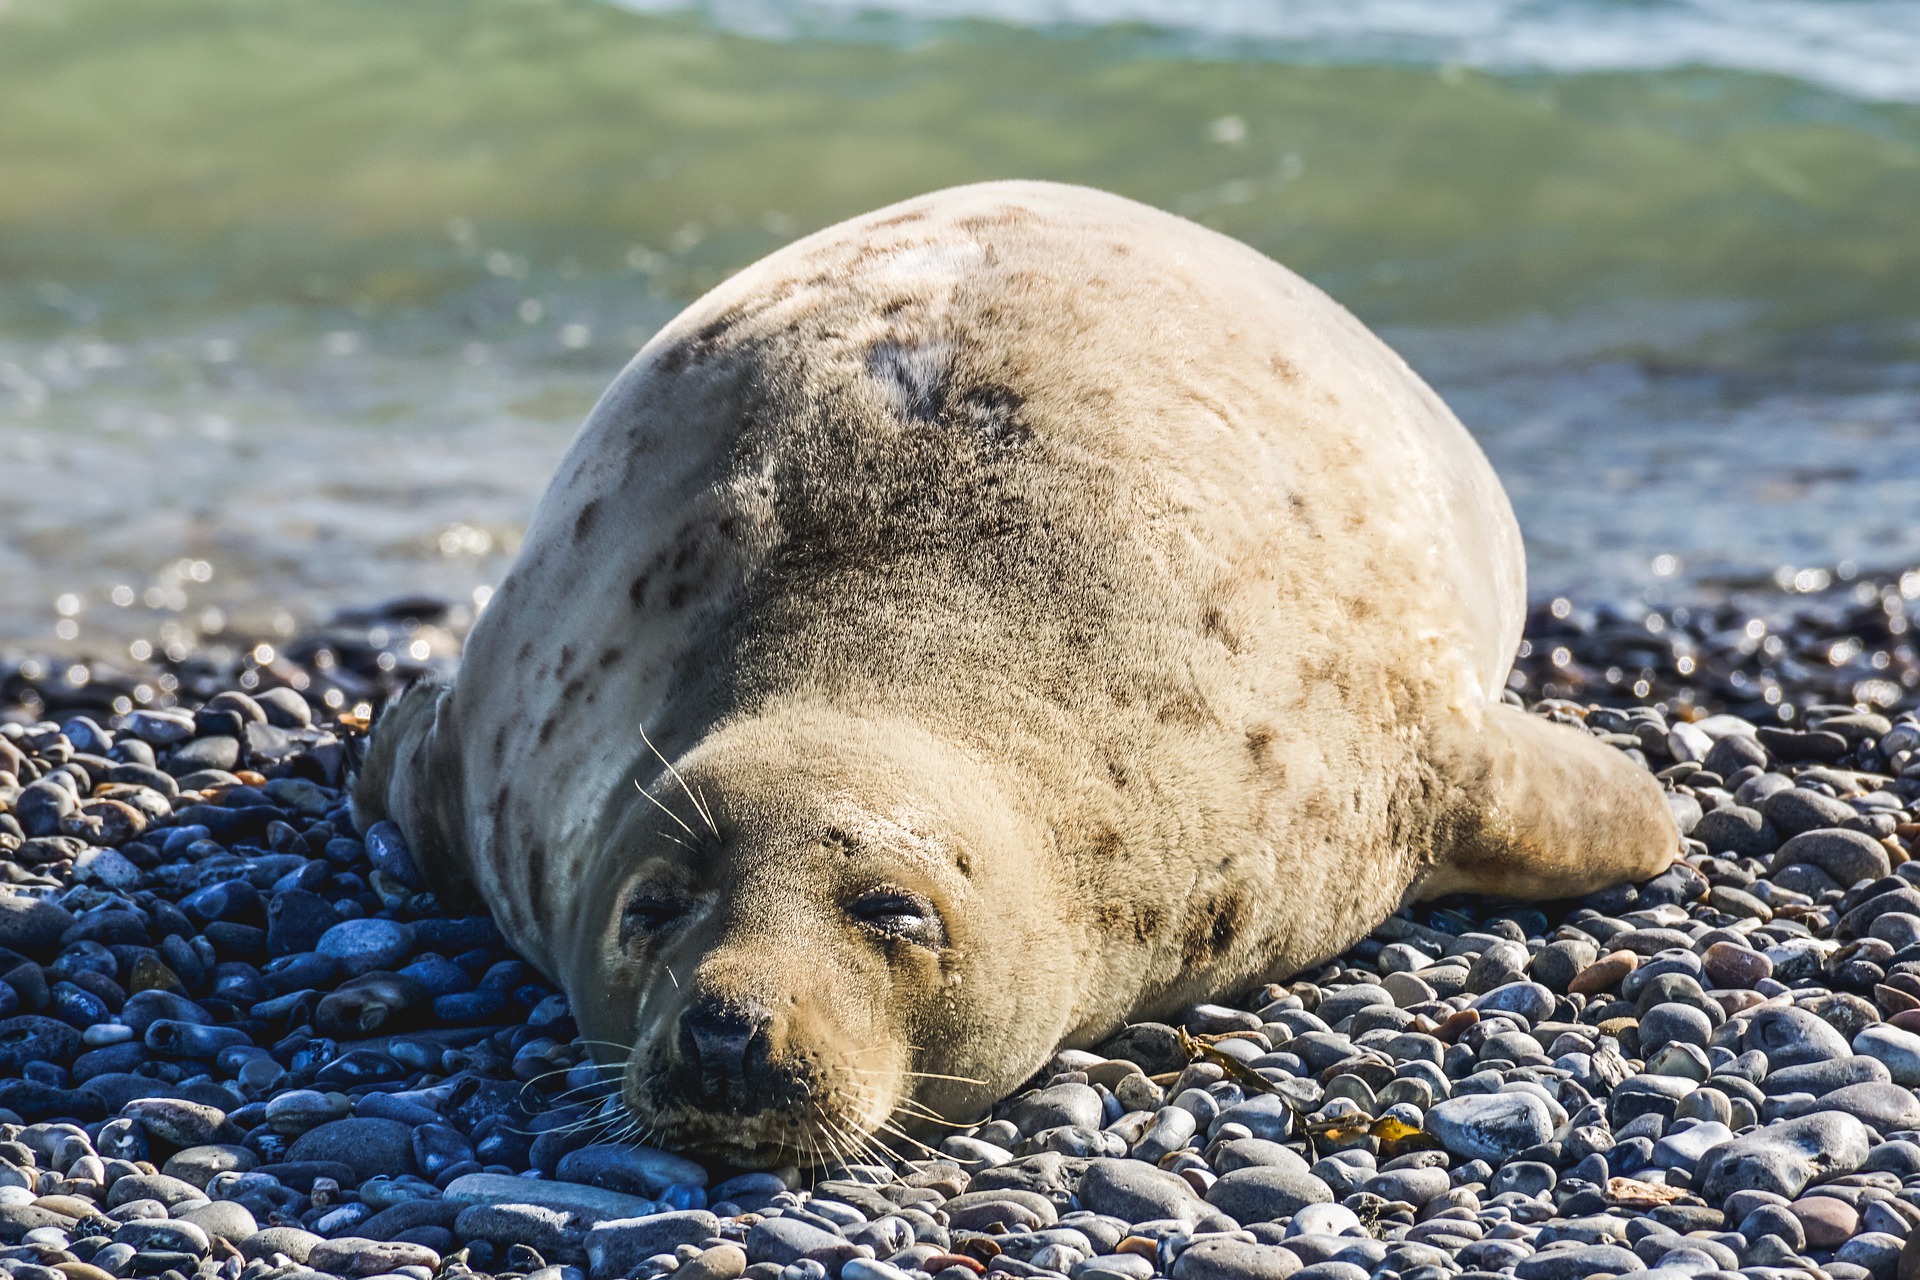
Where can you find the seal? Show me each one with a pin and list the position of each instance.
(1004, 616)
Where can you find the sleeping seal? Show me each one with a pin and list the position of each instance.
(979, 624)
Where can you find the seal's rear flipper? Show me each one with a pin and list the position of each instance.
(412, 778)
(1550, 813)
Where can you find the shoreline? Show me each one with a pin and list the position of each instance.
(284, 1058)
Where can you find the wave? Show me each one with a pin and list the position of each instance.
(1868, 49)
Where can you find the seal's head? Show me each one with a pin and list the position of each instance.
(792, 940)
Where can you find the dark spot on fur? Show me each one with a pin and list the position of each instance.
(566, 660)
(500, 744)
(610, 657)
(677, 595)
(583, 523)
(1107, 843)
(1259, 738)
(1213, 929)
(991, 412)
(1183, 707)
(573, 688)
(547, 727)
(536, 864)
(901, 219)
(1285, 369)
(637, 591)
(913, 377)
(526, 651)
(1213, 624)
(1123, 919)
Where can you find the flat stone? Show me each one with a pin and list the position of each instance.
(1229, 1259)
(267, 1241)
(361, 946)
(1578, 1263)
(1785, 1157)
(785, 1240)
(1137, 1192)
(1790, 1036)
(616, 1246)
(1897, 1050)
(1848, 856)
(1606, 972)
(358, 1256)
(1266, 1193)
(637, 1171)
(1490, 1126)
(1887, 1107)
(370, 1147)
(551, 1232)
(594, 1203)
(32, 926)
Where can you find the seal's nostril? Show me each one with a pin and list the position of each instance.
(722, 1043)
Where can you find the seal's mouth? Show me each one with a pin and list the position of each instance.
(731, 1083)
(806, 1138)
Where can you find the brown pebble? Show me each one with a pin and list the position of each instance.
(941, 1261)
(1731, 965)
(1112, 1072)
(1140, 1246)
(1893, 1000)
(82, 1271)
(1626, 1031)
(71, 1206)
(1603, 973)
(1455, 1027)
(1908, 1020)
(1829, 1223)
(722, 1262)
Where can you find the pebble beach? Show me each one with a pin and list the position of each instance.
(238, 1039)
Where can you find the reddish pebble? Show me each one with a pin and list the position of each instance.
(1605, 972)
(1829, 1223)
(1731, 965)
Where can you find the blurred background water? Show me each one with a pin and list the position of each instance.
(301, 302)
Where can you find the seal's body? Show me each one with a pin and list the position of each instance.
(977, 625)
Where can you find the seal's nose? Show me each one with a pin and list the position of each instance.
(724, 1047)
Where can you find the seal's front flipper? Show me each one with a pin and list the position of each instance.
(1550, 813)
(412, 778)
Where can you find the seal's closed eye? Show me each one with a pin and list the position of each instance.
(900, 914)
(650, 910)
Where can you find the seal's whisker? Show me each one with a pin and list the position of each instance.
(655, 802)
(626, 1050)
(889, 1126)
(699, 803)
(929, 1115)
(935, 1075)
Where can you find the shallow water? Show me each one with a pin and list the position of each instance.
(299, 304)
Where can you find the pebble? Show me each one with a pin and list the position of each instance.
(1490, 1126)
(361, 946)
(253, 995)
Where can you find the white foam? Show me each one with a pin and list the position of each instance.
(1864, 48)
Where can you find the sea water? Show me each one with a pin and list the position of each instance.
(300, 303)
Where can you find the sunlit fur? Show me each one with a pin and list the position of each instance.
(1066, 563)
